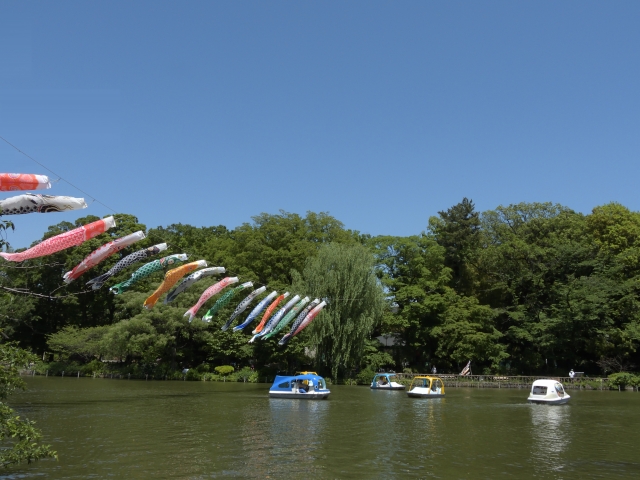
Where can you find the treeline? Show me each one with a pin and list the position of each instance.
(529, 288)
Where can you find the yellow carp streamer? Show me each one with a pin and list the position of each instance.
(170, 279)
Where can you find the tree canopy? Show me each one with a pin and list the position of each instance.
(524, 288)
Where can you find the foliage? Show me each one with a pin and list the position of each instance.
(373, 357)
(19, 439)
(344, 276)
(524, 288)
(365, 376)
(623, 379)
(224, 370)
(4, 226)
(458, 231)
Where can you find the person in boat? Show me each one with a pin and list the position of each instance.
(383, 381)
(435, 387)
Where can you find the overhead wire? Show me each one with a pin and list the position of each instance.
(94, 199)
(57, 175)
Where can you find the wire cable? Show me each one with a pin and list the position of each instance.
(57, 175)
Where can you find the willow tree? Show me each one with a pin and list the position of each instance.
(344, 276)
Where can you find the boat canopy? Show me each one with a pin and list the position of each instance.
(427, 381)
(541, 387)
(285, 383)
(391, 377)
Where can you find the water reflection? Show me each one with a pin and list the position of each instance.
(282, 439)
(550, 434)
(428, 414)
(427, 429)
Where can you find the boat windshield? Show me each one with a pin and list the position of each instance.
(321, 384)
(421, 383)
(539, 390)
(559, 389)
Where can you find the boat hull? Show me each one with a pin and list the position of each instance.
(388, 388)
(540, 401)
(425, 395)
(300, 396)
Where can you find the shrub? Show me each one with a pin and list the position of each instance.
(622, 379)
(193, 374)
(203, 368)
(365, 376)
(94, 367)
(244, 375)
(224, 370)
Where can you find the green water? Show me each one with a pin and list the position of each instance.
(138, 430)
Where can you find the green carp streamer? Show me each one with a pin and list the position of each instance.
(287, 318)
(146, 270)
(223, 301)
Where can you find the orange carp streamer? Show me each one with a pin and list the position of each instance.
(170, 279)
(10, 182)
(269, 311)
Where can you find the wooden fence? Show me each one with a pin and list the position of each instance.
(504, 381)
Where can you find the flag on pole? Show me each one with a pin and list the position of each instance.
(466, 370)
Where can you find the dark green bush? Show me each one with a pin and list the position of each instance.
(622, 379)
(365, 376)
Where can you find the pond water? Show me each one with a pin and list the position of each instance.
(137, 430)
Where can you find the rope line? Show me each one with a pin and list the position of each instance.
(54, 173)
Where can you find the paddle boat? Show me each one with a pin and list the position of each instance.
(386, 381)
(550, 392)
(307, 387)
(426, 387)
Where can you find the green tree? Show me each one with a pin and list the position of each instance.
(343, 275)
(434, 322)
(458, 231)
(20, 440)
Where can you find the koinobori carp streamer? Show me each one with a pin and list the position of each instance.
(224, 300)
(256, 311)
(170, 279)
(308, 319)
(63, 241)
(127, 261)
(242, 306)
(208, 293)
(35, 203)
(269, 311)
(287, 318)
(298, 321)
(276, 318)
(147, 269)
(105, 251)
(190, 280)
(10, 182)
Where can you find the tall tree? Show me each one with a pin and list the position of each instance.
(435, 323)
(458, 231)
(344, 276)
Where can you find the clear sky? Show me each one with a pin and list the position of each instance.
(381, 113)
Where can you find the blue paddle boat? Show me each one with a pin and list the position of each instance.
(386, 381)
(305, 387)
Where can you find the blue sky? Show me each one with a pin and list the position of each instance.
(381, 113)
